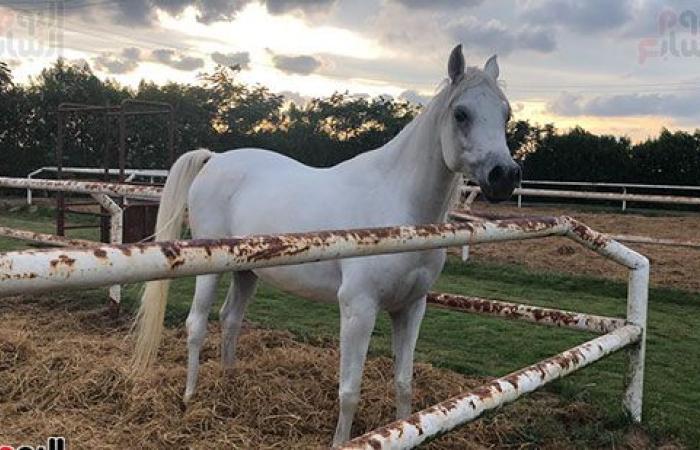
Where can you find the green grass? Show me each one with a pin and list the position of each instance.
(42, 220)
(480, 345)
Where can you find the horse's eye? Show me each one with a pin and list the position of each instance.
(461, 114)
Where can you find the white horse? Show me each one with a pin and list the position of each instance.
(407, 181)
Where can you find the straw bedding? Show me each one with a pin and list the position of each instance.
(64, 371)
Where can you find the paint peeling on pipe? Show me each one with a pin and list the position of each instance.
(528, 313)
(447, 415)
(43, 238)
(116, 232)
(83, 187)
(118, 264)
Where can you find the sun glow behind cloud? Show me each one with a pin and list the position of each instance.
(366, 47)
(262, 34)
(255, 30)
(636, 128)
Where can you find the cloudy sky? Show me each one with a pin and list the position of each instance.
(618, 66)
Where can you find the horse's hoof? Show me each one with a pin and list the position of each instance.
(183, 405)
(227, 372)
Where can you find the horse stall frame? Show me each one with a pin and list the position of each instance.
(127, 107)
(45, 270)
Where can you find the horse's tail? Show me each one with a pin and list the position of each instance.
(149, 320)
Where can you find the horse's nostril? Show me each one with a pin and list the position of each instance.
(496, 174)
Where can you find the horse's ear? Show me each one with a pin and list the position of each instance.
(491, 67)
(455, 66)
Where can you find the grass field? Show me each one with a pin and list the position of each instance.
(489, 346)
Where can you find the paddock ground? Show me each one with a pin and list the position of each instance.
(63, 364)
(677, 267)
(64, 372)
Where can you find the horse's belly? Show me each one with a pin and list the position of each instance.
(314, 281)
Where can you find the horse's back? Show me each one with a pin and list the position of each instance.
(264, 192)
(250, 191)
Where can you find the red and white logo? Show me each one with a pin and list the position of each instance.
(52, 443)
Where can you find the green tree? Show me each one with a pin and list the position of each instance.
(195, 111)
(579, 155)
(524, 138)
(670, 158)
(5, 76)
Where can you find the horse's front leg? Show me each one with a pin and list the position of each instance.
(405, 327)
(204, 293)
(357, 317)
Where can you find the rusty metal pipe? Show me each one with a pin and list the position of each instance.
(637, 302)
(43, 238)
(528, 313)
(116, 232)
(449, 414)
(42, 270)
(46, 270)
(83, 187)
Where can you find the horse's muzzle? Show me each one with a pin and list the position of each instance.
(501, 182)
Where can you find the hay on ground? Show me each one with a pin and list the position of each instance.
(65, 373)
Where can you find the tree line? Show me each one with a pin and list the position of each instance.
(222, 113)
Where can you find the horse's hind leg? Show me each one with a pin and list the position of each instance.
(204, 294)
(405, 326)
(241, 290)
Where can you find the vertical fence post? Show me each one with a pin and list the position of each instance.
(637, 297)
(465, 253)
(116, 230)
(60, 196)
(29, 191)
(624, 202)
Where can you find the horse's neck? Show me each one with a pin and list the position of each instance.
(415, 170)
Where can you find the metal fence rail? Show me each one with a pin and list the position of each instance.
(642, 198)
(83, 187)
(131, 174)
(100, 191)
(528, 313)
(449, 414)
(44, 238)
(666, 187)
(47, 270)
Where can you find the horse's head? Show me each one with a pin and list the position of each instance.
(473, 128)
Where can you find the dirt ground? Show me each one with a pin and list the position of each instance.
(677, 267)
(64, 372)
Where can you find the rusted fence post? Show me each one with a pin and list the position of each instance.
(116, 232)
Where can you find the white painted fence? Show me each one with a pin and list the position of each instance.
(622, 196)
(151, 174)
